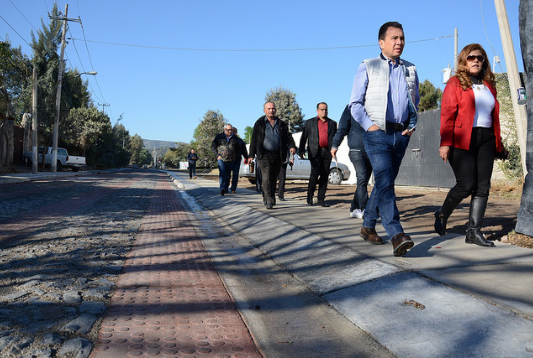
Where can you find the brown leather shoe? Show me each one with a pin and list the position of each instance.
(401, 243)
(370, 235)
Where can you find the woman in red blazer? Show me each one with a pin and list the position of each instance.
(470, 139)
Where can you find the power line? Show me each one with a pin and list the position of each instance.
(81, 64)
(251, 50)
(90, 59)
(22, 15)
(487, 36)
(23, 39)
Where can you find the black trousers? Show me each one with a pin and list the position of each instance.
(270, 164)
(281, 178)
(192, 170)
(473, 167)
(319, 173)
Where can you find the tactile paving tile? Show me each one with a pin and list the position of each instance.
(170, 301)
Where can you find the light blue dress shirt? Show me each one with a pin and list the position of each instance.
(397, 97)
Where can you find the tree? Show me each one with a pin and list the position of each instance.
(145, 157)
(248, 134)
(211, 125)
(46, 61)
(174, 156)
(512, 167)
(430, 96)
(88, 129)
(287, 107)
(121, 143)
(136, 146)
(15, 82)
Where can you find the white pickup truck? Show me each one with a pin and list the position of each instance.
(63, 159)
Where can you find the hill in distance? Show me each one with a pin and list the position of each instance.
(160, 147)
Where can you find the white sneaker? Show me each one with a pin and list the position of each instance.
(357, 213)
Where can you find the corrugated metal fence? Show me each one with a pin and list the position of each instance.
(421, 165)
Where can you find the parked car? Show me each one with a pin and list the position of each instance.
(301, 169)
(63, 159)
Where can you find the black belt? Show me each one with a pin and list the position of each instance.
(395, 126)
(324, 148)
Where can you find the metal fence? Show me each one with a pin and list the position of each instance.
(422, 165)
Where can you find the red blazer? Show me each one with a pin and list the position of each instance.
(457, 112)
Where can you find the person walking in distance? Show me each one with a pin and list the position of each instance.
(470, 139)
(192, 158)
(317, 136)
(384, 102)
(363, 169)
(234, 172)
(225, 147)
(270, 142)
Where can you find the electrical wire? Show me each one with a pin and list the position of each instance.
(81, 64)
(487, 36)
(90, 60)
(20, 12)
(251, 50)
(23, 39)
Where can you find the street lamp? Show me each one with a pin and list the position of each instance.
(92, 73)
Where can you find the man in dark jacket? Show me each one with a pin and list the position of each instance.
(318, 137)
(192, 157)
(363, 169)
(226, 147)
(271, 140)
(241, 152)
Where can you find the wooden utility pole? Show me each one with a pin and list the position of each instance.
(514, 78)
(34, 153)
(58, 95)
(456, 50)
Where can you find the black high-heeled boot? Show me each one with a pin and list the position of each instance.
(478, 205)
(442, 215)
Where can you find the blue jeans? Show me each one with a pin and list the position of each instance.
(234, 173)
(385, 151)
(363, 171)
(224, 169)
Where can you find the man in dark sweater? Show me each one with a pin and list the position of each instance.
(271, 140)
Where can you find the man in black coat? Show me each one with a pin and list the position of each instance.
(318, 137)
(271, 140)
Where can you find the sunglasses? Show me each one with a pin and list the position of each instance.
(471, 58)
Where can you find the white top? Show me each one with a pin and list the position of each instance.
(484, 105)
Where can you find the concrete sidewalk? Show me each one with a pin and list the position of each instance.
(443, 299)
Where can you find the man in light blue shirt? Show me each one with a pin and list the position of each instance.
(384, 102)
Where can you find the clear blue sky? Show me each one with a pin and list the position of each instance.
(164, 63)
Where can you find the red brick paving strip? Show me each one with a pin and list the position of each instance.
(170, 300)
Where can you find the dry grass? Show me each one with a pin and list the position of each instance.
(520, 240)
(507, 188)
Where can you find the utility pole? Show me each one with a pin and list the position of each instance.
(58, 96)
(456, 50)
(103, 106)
(34, 153)
(514, 78)
(59, 83)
